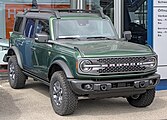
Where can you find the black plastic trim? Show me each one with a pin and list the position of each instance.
(37, 78)
(65, 68)
(76, 86)
(16, 51)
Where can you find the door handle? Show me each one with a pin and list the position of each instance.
(20, 43)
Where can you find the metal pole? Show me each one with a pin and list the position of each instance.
(78, 4)
(81, 4)
(119, 16)
(34, 4)
(90, 4)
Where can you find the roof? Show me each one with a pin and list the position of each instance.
(39, 15)
(66, 14)
(60, 13)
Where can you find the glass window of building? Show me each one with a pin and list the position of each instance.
(135, 20)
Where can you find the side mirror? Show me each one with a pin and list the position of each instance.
(41, 37)
(127, 35)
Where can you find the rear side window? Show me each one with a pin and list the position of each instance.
(18, 24)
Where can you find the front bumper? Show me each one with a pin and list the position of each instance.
(114, 88)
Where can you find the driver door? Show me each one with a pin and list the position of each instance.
(40, 50)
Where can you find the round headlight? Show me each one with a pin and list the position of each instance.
(150, 62)
(154, 62)
(84, 66)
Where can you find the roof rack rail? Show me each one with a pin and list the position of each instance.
(100, 12)
(52, 11)
(56, 12)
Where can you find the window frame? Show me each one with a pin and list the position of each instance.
(22, 26)
(25, 22)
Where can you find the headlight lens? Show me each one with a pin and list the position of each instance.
(84, 66)
(150, 62)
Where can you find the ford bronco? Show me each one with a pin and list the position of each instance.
(78, 53)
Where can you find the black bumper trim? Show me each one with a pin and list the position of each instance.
(119, 88)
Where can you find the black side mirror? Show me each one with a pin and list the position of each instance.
(41, 37)
(127, 35)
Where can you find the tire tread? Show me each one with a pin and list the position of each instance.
(144, 100)
(69, 99)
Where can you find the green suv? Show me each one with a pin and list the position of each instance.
(78, 53)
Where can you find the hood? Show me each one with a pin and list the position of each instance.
(108, 48)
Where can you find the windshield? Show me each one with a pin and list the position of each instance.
(85, 28)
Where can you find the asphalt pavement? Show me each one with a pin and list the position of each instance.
(33, 103)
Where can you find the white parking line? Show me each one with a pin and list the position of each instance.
(0, 86)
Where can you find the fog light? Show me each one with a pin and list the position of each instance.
(103, 87)
(88, 87)
(142, 84)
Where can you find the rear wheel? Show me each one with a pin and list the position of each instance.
(142, 100)
(63, 100)
(17, 78)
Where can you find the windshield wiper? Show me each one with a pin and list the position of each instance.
(69, 38)
(101, 37)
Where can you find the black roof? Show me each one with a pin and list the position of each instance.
(58, 13)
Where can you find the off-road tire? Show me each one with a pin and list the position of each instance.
(19, 79)
(69, 99)
(143, 100)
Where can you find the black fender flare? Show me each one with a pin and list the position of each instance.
(64, 66)
(17, 53)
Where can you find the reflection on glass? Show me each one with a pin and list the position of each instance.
(85, 28)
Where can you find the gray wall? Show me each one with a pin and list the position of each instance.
(2, 21)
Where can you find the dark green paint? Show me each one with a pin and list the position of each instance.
(45, 54)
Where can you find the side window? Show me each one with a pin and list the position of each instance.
(43, 27)
(29, 28)
(18, 24)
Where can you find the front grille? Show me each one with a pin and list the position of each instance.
(121, 60)
(122, 65)
(121, 69)
(117, 65)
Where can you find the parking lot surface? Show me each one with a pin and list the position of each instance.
(33, 103)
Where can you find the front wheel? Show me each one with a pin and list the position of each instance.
(142, 100)
(64, 101)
